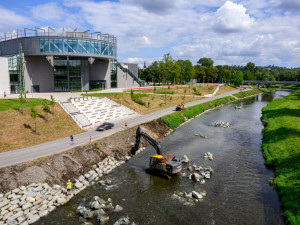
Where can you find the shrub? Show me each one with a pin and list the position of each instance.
(173, 120)
(136, 98)
(193, 111)
(165, 92)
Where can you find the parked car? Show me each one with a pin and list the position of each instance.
(105, 126)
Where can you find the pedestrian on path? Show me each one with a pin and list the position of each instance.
(69, 187)
(126, 124)
(5, 94)
(72, 139)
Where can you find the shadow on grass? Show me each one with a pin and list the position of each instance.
(27, 126)
(279, 134)
(282, 112)
(42, 117)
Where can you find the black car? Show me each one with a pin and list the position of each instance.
(105, 126)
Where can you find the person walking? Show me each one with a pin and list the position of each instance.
(5, 94)
(72, 139)
(69, 187)
(126, 124)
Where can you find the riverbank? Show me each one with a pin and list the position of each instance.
(281, 141)
(57, 169)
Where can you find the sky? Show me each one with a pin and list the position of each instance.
(266, 32)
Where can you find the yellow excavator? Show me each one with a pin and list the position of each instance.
(158, 165)
(180, 107)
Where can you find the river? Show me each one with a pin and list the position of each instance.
(237, 193)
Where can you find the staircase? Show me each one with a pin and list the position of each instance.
(92, 111)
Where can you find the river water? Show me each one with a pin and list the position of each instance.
(237, 193)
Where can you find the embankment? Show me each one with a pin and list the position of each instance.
(57, 169)
(281, 149)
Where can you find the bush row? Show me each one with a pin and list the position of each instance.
(244, 94)
(175, 119)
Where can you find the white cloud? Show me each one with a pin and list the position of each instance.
(232, 17)
(50, 11)
(10, 20)
(156, 6)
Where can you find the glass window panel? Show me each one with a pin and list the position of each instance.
(51, 45)
(104, 48)
(44, 45)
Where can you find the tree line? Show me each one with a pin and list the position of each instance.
(169, 70)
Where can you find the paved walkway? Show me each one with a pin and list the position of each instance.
(57, 146)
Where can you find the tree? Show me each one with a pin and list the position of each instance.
(227, 75)
(52, 103)
(200, 73)
(187, 71)
(237, 78)
(34, 114)
(22, 100)
(248, 75)
(46, 109)
(208, 62)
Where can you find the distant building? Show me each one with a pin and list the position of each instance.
(62, 61)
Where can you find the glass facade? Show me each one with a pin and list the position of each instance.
(97, 84)
(113, 74)
(14, 74)
(67, 74)
(74, 74)
(67, 45)
(60, 73)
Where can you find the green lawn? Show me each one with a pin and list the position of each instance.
(14, 104)
(281, 149)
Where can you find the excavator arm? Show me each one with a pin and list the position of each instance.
(140, 133)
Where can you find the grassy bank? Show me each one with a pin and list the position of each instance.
(14, 104)
(175, 119)
(281, 149)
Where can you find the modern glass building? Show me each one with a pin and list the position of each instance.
(62, 61)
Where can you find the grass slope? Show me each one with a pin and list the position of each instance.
(16, 130)
(9, 104)
(281, 149)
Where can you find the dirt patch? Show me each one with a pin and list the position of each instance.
(57, 169)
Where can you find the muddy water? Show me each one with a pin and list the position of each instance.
(237, 193)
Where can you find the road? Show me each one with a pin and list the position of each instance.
(61, 145)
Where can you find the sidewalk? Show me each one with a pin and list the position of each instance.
(61, 145)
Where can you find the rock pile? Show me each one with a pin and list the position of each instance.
(189, 199)
(201, 174)
(220, 123)
(26, 205)
(100, 209)
(208, 155)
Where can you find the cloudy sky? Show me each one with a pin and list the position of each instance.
(265, 32)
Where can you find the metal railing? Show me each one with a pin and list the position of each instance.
(50, 32)
(125, 70)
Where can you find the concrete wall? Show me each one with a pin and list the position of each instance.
(4, 76)
(132, 67)
(38, 71)
(125, 80)
(100, 70)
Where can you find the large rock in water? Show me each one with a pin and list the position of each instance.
(185, 159)
(196, 177)
(196, 195)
